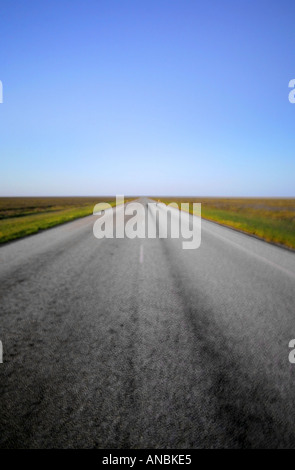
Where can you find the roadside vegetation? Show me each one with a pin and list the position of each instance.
(268, 218)
(21, 216)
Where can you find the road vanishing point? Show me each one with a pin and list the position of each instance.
(138, 343)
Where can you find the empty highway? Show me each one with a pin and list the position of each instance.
(138, 343)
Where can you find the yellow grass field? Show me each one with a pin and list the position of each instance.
(268, 218)
(24, 216)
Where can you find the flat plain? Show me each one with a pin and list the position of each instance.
(140, 344)
(271, 219)
(21, 216)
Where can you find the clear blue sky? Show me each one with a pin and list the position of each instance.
(174, 97)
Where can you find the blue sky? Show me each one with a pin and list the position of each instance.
(173, 97)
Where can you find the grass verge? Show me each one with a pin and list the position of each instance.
(271, 219)
(20, 217)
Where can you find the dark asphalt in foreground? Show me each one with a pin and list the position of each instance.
(120, 343)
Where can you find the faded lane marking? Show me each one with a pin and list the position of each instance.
(141, 254)
(252, 253)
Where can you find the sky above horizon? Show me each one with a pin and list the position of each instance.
(175, 97)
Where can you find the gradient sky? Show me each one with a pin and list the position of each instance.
(173, 97)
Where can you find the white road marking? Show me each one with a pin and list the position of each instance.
(141, 254)
(252, 253)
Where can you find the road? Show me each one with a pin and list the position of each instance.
(138, 343)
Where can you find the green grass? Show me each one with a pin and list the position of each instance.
(268, 218)
(24, 216)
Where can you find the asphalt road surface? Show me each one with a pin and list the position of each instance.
(138, 343)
